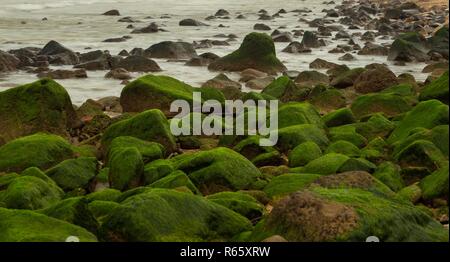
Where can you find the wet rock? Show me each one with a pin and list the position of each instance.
(59, 54)
(221, 12)
(311, 79)
(152, 28)
(113, 12)
(126, 19)
(311, 40)
(110, 104)
(115, 40)
(221, 81)
(342, 35)
(118, 73)
(64, 74)
(322, 64)
(8, 62)
(138, 64)
(171, 50)
(373, 49)
(191, 22)
(262, 27)
(376, 78)
(259, 83)
(347, 57)
(250, 74)
(283, 37)
(408, 48)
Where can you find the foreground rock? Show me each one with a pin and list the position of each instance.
(40, 106)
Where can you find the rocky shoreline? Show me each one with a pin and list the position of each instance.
(361, 151)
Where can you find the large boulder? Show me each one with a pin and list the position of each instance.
(257, 51)
(389, 104)
(285, 90)
(29, 226)
(153, 91)
(38, 150)
(219, 169)
(74, 173)
(138, 64)
(8, 62)
(43, 105)
(171, 50)
(293, 113)
(410, 47)
(59, 54)
(150, 125)
(439, 42)
(437, 89)
(376, 78)
(168, 215)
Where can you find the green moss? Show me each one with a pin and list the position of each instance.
(304, 153)
(411, 193)
(100, 209)
(139, 127)
(38, 150)
(438, 89)
(255, 96)
(291, 114)
(405, 90)
(74, 173)
(376, 126)
(388, 104)
(347, 78)
(103, 175)
(30, 192)
(328, 100)
(107, 194)
(326, 164)
(126, 168)
(240, 203)
(149, 150)
(421, 153)
(436, 184)
(157, 170)
(168, 215)
(259, 155)
(6, 179)
(389, 174)
(289, 183)
(29, 226)
(218, 169)
(257, 51)
(358, 164)
(339, 117)
(40, 106)
(427, 114)
(292, 136)
(343, 147)
(284, 89)
(347, 133)
(73, 210)
(174, 180)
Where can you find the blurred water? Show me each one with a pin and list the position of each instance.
(78, 25)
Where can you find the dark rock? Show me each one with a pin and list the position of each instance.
(191, 22)
(113, 12)
(152, 28)
(8, 62)
(295, 48)
(118, 73)
(171, 50)
(376, 78)
(59, 54)
(311, 40)
(64, 74)
(138, 64)
(262, 27)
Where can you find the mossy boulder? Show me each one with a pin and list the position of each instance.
(347, 78)
(292, 136)
(347, 133)
(375, 126)
(240, 203)
(343, 147)
(100, 209)
(150, 125)
(29, 226)
(38, 150)
(42, 106)
(289, 183)
(158, 92)
(294, 113)
(411, 193)
(438, 89)
(259, 155)
(436, 184)
(31, 192)
(74, 173)
(74, 210)
(327, 100)
(347, 214)
(149, 151)
(426, 114)
(388, 104)
(219, 169)
(304, 153)
(285, 90)
(409, 47)
(106, 194)
(339, 117)
(126, 168)
(157, 170)
(257, 51)
(174, 180)
(168, 215)
(390, 174)
(420, 153)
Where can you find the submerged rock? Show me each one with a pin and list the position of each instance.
(171, 50)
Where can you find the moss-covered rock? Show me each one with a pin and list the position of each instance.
(421, 153)
(150, 125)
(289, 183)
(293, 113)
(107, 194)
(292, 136)
(240, 203)
(304, 153)
(38, 150)
(126, 168)
(376, 126)
(29, 226)
(30, 192)
(343, 147)
(285, 90)
(388, 104)
(327, 100)
(259, 155)
(427, 114)
(347, 214)
(219, 169)
(150, 151)
(42, 106)
(257, 51)
(409, 47)
(389, 174)
(168, 215)
(326, 164)
(347, 133)
(339, 117)
(175, 179)
(100, 209)
(437, 89)
(158, 92)
(411, 193)
(157, 170)
(347, 78)
(436, 184)
(74, 173)
(73, 210)
(312, 79)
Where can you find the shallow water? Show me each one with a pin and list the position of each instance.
(78, 25)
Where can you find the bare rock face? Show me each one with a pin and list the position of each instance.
(8, 62)
(377, 78)
(64, 74)
(138, 64)
(58, 54)
(171, 50)
(118, 73)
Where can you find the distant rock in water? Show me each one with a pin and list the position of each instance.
(138, 64)
(8, 62)
(113, 12)
(152, 28)
(171, 50)
(410, 47)
(257, 51)
(64, 74)
(43, 105)
(191, 22)
(311, 40)
(59, 54)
